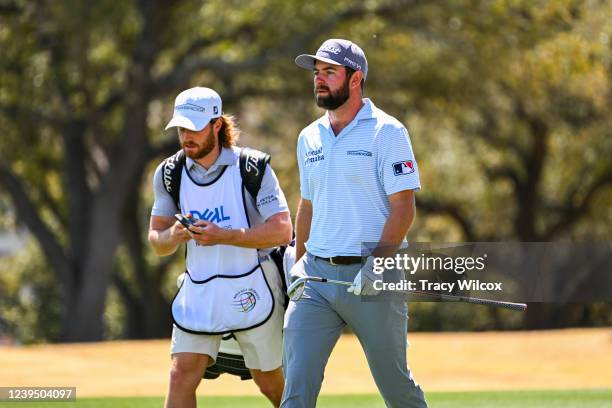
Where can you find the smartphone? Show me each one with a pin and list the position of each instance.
(186, 221)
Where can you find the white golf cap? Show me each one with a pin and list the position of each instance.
(194, 108)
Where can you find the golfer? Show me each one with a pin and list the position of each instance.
(358, 175)
(229, 286)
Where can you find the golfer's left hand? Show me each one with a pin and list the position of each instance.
(206, 233)
(364, 281)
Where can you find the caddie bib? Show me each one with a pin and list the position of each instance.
(224, 289)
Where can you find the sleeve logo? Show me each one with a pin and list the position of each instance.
(403, 168)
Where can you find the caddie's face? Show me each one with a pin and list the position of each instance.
(331, 85)
(197, 144)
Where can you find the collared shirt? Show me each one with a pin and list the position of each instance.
(270, 199)
(201, 175)
(349, 177)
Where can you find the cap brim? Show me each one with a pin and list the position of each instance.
(192, 124)
(307, 61)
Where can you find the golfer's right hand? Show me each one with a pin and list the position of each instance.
(364, 280)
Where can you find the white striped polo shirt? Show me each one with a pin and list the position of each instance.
(348, 178)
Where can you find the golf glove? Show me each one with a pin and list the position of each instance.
(364, 281)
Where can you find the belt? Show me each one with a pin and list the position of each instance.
(342, 260)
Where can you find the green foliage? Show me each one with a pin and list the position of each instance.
(29, 301)
(508, 103)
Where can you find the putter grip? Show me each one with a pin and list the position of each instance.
(496, 303)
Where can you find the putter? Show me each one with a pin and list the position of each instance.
(296, 291)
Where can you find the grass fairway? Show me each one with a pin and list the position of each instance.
(506, 399)
(441, 362)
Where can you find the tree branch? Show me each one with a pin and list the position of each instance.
(28, 214)
(490, 133)
(571, 213)
(502, 172)
(452, 210)
(247, 29)
(31, 114)
(181, 74)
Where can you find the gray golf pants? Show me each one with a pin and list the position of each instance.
(314, 324)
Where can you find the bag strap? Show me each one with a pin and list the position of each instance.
(172, 170)
(252, 167)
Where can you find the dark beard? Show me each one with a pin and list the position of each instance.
(204, 149)
(334, 99)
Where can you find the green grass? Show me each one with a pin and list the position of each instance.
(506, 399)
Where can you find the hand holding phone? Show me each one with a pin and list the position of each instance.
(187, 221)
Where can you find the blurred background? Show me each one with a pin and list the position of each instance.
(508, 103)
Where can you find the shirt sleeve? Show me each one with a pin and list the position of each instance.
(270, 198)
(396, 163)
(163, 205)
(304, 186)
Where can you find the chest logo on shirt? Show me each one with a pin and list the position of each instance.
(359, 153)
(314, 156)
(215, 215)
(402, 168)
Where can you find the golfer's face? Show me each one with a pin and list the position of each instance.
(328, 79)
(197, 144)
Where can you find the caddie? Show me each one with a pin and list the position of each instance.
(358, 176)
(230, 284)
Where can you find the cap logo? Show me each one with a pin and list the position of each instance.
(330, 48)
(215, 109)
(353, 64)
(190, 106)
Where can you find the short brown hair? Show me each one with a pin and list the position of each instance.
(349, 73)
(229, 132)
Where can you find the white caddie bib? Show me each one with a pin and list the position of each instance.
(224, 289)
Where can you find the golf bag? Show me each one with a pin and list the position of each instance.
(252, 167)
(229, 360)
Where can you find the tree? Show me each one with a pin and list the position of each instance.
(520, 94)
(86, 86)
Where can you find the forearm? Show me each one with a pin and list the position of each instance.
(163, 242)
(399, 222)
(303, 220)
(275, 231)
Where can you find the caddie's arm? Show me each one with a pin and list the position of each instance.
(166, 234)
(276, 230)
(401, 217)
(303, 221)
